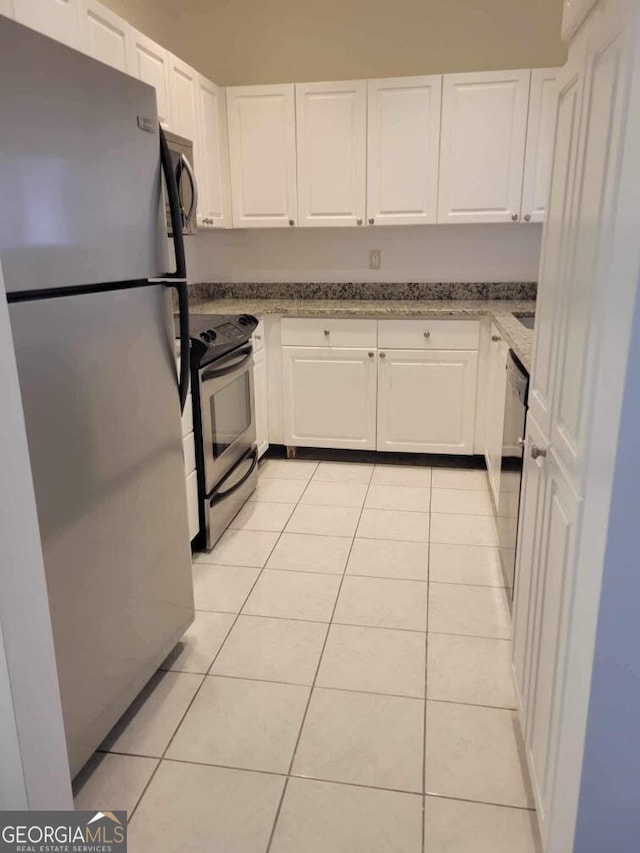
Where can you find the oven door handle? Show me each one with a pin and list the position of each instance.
(245, 355)
(220, 496)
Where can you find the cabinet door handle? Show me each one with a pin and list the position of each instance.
(383, 355)
(427, 334)
(496, 339)
(538, 452)
(292, 223)
(359, 221)
(371, 354)
(327, 332)
(514, 217)
(527, 217)
(372, 221)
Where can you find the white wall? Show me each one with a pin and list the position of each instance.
(34, 770)
(439, 253)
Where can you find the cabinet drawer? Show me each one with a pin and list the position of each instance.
(191, 485)
(187, 417)
(312, 332)
(189, 450)
(429, 334)
(258, 336)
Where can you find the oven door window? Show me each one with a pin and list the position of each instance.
(230, 413)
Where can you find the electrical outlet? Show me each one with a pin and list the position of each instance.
(375, 259)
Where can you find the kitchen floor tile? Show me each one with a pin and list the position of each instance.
(472, 754)
(464, 529)
(455, 826)
(401, 475)
(317, 817)
(259, 515)
(479, 611)
(362, 738)
(242, 548)
(466, 564)
(272, 650)
(287, 469)
(382, 603)
(205, 810)
(392, 524)
(475, 670)
(319, 493)
(307, 552)
(461, 501)
(251, 725)
(389, 559)
(407, 498)
(343, 472)
(222, 588)
(110, 781)
(376, 660)
(293, 595)
(148, 724)
(459, 478)
(278, 490)
(324, 520)
(200, 644)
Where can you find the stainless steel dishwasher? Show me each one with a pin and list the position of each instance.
(515, 413)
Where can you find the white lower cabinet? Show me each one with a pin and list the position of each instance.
(260, 398)
(494, 410)
(329, 397)
(426, 401)
(192, 504)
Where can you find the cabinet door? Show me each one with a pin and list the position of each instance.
(331, 122)
(262, 148)
(329, 397)
(183, 91)
(191, 485)
(585, 296)
(260, 392)
(557, 234)
(59, 19)
(212, 157)
(149, 62)
(403, 145)
(540, 131)
(496, 395)
(427, 401)
(484, 123)
(107, 35)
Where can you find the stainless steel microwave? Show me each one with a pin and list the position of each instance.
(181, 151)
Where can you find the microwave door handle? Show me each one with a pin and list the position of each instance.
(194, 189)
(245, 354)
(177, 279)
(220, 496)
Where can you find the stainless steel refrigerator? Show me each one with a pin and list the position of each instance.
(85, 255)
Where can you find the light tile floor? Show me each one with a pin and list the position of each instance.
(346, 685)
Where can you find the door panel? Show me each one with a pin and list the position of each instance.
(212, 157)
(107, 35)
(262, 149)
(260, 394)
(182, 80)
(540, 132)
(484, 122)
(331, 121)
(329, 397)
(59, 19)
(496, 395)
(403, 146)
(426, 401)
(149, 62)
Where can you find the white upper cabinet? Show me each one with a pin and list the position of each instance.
(59, 19)
(484, 121)
(149, 62)
(106, 35)
(543, 101)
(574, 13)
(183, 91)
(262, 147)
(331, 121)
(403, 144)
(211, 157)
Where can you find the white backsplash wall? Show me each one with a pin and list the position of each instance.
(435, 253)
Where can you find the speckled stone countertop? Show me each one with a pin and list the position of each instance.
(502, 311)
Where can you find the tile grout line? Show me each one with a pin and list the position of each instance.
(426, 677)
(315, 677)
(204, 677)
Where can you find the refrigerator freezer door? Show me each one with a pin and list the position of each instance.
(98, 381)
(80, 187)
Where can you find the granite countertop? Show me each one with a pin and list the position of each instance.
(502, 311)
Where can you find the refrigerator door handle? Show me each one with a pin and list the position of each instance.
(178, 279)
(186, 165)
